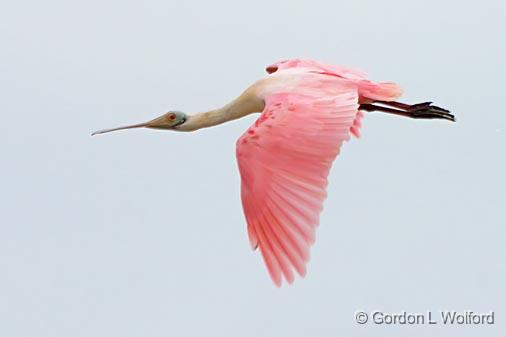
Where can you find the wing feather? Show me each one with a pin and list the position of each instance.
(284, 159)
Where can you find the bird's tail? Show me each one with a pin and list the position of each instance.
(385, 91)
(372, 92)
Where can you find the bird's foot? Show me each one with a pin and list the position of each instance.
(423, 110)
(428, 111)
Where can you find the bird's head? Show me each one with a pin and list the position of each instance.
(168, 121)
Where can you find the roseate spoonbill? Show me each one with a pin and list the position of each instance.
(308, 109)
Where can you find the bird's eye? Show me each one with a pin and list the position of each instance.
(172, 117)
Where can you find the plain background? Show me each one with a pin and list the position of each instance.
(141, 233)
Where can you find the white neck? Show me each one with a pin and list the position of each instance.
(245, 104)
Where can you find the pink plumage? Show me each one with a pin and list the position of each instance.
(285, 157)
(308, 110)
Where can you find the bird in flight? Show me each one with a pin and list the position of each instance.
(308, 109)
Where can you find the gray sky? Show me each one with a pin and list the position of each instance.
(142, 234)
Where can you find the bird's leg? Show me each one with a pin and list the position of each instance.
(419, 111)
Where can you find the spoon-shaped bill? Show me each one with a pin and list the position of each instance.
(140, 125)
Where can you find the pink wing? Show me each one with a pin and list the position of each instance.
(349, 73)
(368, 90)
(284, 160)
